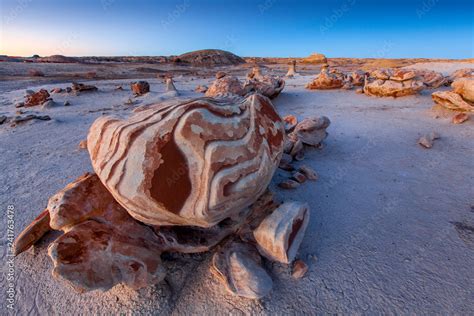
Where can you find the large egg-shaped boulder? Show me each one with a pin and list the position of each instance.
(194, 162)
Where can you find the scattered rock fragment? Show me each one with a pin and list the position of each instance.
(308, 172)
(299, 177)
(81, 87)
(288, 184)
(460, 118)
(67, 103)
(427, 140)
(56, 90)
(83, 144)
(118, 88)
(20, 104)
(3, 119)
(140, 87)
(280, 234)
(238, 266)
(299, 269)
(29, 117)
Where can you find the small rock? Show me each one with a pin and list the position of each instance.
(68, 89)
(426, 142)
(140, 87)
(3, 119)
(48, 104)
(434, 135)
(297, 147)
(460, 118)
(220, 74)
(67, 103)
(118, 88)
(201, 89)
(79, 87)
(129, 102)
(286, 166)
(359, 91)
(20, 105)
(288, 184)
(299, 269)
(21, 119)
(309, 172)
(83, 144)
(57, 90)
(298, 176)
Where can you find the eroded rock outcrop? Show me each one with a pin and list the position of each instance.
(461, 98)
(37, 98)
(327, 79)
(199, 161)
(432, 79)
(392, 83)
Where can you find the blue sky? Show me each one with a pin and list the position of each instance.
(278, 28)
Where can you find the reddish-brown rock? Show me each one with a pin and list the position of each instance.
(327, 80)
(81, 87)
(460, 118)
(37, 98)
(299, 269)
(140, 87)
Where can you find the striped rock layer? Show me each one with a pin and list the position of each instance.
(193, 162)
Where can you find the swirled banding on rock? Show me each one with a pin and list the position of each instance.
(190, 163)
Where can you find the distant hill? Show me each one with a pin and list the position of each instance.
(209, 57)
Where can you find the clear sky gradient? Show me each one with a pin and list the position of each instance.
(276, 28)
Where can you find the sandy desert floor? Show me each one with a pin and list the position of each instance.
(391, 228)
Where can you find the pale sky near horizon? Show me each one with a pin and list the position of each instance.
(272, 28)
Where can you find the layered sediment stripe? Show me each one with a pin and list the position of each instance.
(191, 163)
